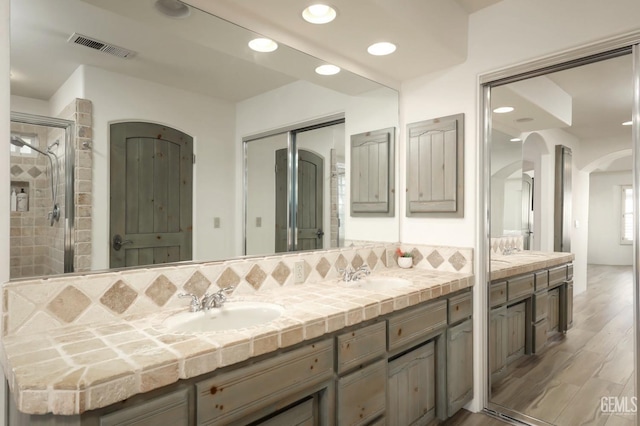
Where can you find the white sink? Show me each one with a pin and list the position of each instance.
(231, 316)
(382, 283)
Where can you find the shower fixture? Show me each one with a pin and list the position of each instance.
(54, 214)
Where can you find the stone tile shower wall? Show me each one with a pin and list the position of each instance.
(32, 239)
(45, 304)
(80, 111)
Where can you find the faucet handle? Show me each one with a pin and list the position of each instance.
(194, 306)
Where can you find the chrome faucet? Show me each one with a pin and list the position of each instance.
(349, 274)
(208, 301)
(510, 250)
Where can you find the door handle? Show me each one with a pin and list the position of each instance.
(319, 233)
(118, 242)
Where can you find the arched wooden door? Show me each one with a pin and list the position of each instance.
(151, 194)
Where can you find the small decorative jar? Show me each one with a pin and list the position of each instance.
(405, 262)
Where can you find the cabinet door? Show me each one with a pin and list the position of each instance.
(553, 314)
(516, 329)
(569, 305)
(498, 336)
(459, 366)
(302, 414)
(171, 409)
(362, 395)
(412, 387)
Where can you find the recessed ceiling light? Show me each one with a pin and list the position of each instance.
(328, 69)
(503, 110)
(319, 14)
(381, 49)
(515, 140)
(627, 123)
(263, 45)
(173, 8)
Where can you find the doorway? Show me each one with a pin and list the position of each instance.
(294, 188)
(151, 169)
(591, 97)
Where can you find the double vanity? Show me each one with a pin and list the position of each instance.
(393, 347)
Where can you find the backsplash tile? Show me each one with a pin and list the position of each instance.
(46, 304)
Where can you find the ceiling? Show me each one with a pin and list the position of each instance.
(208, 55)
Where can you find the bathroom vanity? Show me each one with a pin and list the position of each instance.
(530, 300)
(340, 354)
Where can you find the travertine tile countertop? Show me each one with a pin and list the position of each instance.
(83, 367)
(521, 262)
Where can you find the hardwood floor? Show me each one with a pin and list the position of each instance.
(565, 384)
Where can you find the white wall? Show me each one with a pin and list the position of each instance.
(29, 105)
(508, 33)
(116, 97)
(605, 219)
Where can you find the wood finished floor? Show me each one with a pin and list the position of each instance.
(564, 384)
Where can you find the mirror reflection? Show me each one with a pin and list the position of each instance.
(560, 334)
(195, 75)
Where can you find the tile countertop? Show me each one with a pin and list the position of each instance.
(79, 368)
(526, 261)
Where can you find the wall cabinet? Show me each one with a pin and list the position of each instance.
(406, 368)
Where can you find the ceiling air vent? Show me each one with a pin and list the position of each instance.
(95, 44)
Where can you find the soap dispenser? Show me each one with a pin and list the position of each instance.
(22, 201)
(14, 200)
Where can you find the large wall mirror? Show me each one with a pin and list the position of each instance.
(193, 73)
(540, 373)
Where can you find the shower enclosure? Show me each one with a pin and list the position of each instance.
(41, 176)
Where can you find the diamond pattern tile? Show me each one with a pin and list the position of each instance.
(457, 260)
(435, 259)
(119, 297)
(228, 278)
(161, 290)
(372, 260)
(323, 267)
(34, 172)
(341, 262)
(198, 284)
(417, 256)
(357, 261)
(281, 273)
(256, 276)
(69, 304)
(16, 170)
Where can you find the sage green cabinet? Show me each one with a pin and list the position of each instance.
(498, 336)
(301, 414)
(516, 331)
(171, 409)
(459, 366)
(412, 387)
(362, 395)
(569, 305)
(553, 313)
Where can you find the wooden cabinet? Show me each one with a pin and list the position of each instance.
(569, 305)
(498, 349)
(412, 387)
(516, 331)
(361, 395)
(520, 287)
(459, 366)
(360, 346)
(553, 313)
(171, 409)
(300, 414)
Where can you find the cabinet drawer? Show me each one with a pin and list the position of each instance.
(498, 294)
(417, 323)
(520, 286)
(230, 396)
(540, 305)
(460, 307)
(359, 346)
(557, 275)
(171, 409)
(362, 395)
(542, 279)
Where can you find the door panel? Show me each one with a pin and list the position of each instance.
(152, 172)
(310, 196)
